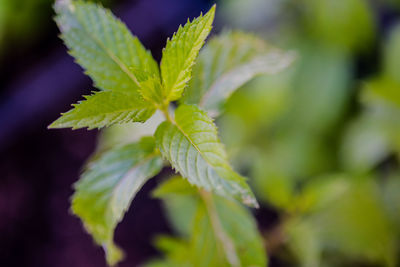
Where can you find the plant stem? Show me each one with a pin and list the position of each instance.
(227, 243)
(165, 111)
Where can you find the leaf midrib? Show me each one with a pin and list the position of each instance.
(195, 146)
(219, 231)
(228, 72)
(123, 67)
(186, 62)
(111, 112)
(125, 176)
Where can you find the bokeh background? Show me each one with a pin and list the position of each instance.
(320, 141)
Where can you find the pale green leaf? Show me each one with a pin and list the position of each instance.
(222, 232)
(353, 30)
(226, 63)
(391, 197)
(366, 142)
(180, 208)
(121, 134)
(174, 186)
(105, 108)
(176, 251)
(392, 56)
(103, 46)
(322, 191)
(374, 135)
(271, 186)
(192, 146)
(180, 54)
(234, 231)
(349, 218)
(107, 187)
(303, 242)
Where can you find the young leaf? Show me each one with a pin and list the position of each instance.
(108, 186)
(151, 91)
(105, 108)
(193, 148)
(180, 53)
(228, 62)
(103, 46)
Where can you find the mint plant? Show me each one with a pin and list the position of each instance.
(132, 87)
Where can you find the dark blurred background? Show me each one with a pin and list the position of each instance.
(341, 44)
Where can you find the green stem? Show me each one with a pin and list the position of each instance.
(227, 243)
(165, 111)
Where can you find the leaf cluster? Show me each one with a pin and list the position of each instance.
(132, 87)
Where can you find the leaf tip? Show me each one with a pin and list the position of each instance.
(250, 201)
(54, 125)
(113, 254)
(212, 9)
(51, 126)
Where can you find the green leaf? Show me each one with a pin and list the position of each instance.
(107, 187)
(226, 63)
(179, 203)
(381, 88)
(354, 30)
(152, 91)
(121, 134)
(174, 186)
(192, 146)
(374, 135)
(391, 198)
(271, 186)
(232, 229)
(176, 250)
(159, 263)
(105, 108)
(222, 232)
(349, 218)
(366, 141)
(303, 241)
(392, 55)
(180, 54)
(103, 46)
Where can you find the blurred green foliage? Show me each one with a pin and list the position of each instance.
(320, 144)
(347, 24)
(20, 21)
(25, 21)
